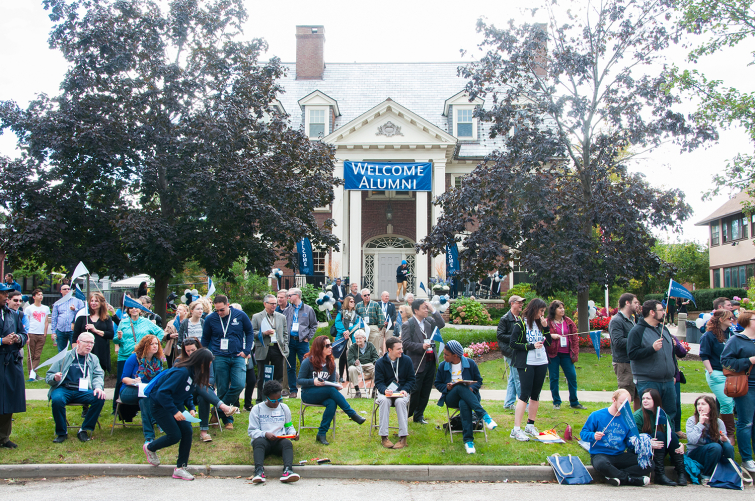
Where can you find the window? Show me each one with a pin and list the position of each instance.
(734, 228)
(744, 227)
(458, 181)
(464, 123)
(318, 257)
(717, 279)
(714, 234)
(317, 123)
(520, 274)
(727, 277)
(736, 276)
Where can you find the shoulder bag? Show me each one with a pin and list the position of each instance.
(736, 382)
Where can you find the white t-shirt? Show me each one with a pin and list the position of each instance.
(37, 316)
(536, 356)
(456, 372)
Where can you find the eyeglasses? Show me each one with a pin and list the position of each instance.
(65, 289)
(271, 303)
(275, 401)
(86, 342)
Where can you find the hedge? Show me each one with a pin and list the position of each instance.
(252, 307)
(704, 297)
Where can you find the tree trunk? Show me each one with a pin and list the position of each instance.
(584, 316)
(161, 294)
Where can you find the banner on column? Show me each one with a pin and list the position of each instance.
(388, 176)
(306, 266)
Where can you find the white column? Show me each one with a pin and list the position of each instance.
(355, 236)
(421, 270)
(439, 187)
(339, 215)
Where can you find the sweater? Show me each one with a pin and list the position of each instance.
(711, 349)
(263, 419)
(130, 338)
(648, 364)
(384, 374)
(183, 330)
(736, 356)
(238, 332)
(695, 435)
(369, 356)
(616, 436)
(131, 367)
(619, 328)
(307, 374)
(174, 390)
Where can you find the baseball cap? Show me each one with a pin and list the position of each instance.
(515, 299)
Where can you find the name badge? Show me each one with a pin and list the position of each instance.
(224, 344)
(84, 384)
(563, 342)
(295, 327)
(392, 387)
(366, 320)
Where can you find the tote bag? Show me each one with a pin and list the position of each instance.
(569, 470)
(729, 475)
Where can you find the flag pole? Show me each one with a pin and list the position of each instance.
(668, 300)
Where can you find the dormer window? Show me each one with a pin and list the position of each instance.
(460, 111)
(317, 123)
(464, 123)
(320, 113)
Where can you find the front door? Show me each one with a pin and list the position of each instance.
(387, 265)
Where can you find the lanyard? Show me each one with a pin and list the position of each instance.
(86, 366)
(421, 324)
(296, 312)
(385, 308)
(395, 371)
(225, 329)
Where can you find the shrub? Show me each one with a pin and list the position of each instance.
(497, 313)
(524, 290)
(251, 307)
(470, 312)
(600, 323)
(467, 337)
(309, 296)
(586, 342)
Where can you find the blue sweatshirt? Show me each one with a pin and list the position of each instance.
(239, 329)
(616, 438)
(173, 391)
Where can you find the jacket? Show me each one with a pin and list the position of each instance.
(141, 328)
(384, 375)
(370, 355)
(413, 339)
(618, 329)
(520, 346)
(504, 331)
(391, 312)
(573, 342)
(307, 321)
(735, 357)
(469, 372)
(281, 334)
(334, 292)
(402, 274)
(648, 364)
(64, 364)
(183, 330)
(174, 390)
(12, 386)
(346, 325)
(238, 333)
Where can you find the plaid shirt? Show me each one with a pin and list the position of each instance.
(373, 311)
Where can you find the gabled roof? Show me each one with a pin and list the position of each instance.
(461, 98)
(320, 98)
(732, 206)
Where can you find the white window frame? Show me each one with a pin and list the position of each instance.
(457, 111)
(307, 113)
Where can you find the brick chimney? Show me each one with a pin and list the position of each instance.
(310, 64)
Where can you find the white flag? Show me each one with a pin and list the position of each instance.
(54, 359)
(79, 271)
(210, 287)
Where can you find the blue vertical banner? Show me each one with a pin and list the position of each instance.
(306, 265)
(452, 259)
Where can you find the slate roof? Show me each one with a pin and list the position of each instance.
(420, 87)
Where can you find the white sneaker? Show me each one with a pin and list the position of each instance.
(469, 447)
(749, 465)
(531, 430)
(151, 456)
(519, 435)
(182, 474)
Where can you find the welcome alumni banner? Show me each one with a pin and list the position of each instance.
(388, 176)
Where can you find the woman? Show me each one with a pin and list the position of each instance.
(191, 327)
(182, 313)
(205, 395)
(317, 378)
(98, 323)
(707, 441)
(130, 331)
(344, 322)
(167, 397)
(143, 290)
(739, 356)
(152, 317)
(528, 341)
(711, 346)
(141, 368)
(646, 418)
(565, 354)
(269, 420)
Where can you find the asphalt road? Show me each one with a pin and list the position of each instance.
(166, 489)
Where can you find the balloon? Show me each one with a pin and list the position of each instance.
(592, 310)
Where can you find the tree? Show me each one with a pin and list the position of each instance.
(164, 145)
(558, 198)
(690, 262)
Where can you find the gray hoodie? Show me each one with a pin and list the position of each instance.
(648, 364)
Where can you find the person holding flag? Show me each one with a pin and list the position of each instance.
(271, 344)
(612, 454)
(63, 314)
(346, 323)
(652, 419)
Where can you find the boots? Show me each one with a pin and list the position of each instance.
(660, 469)
(386, 443)
(401, 443)
(731, 430)
(681, 473)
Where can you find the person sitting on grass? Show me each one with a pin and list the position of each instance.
(361, 358)
(449, 381)
(608, 436)
(707, 441)
(141, 367)
(394, 381)
(269, 420)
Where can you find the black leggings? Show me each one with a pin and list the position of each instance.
(282, 447)
(531, 380)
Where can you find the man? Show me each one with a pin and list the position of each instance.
(361, 359)
(415, 336)
(619, 328)
(338, 292)
(273, 350)
(76, 378)
(282, 298)
(721, 303)
(394, 381)
(61, 319)
(373, 317)
(12, 283)
(354, 292)
(12, 390)
(302, 324)
(608, 436)
(152, 317)
(651, 355)
(15, 300)
(402, 276)
(39, 320)
(389, 313)
(228, 334)
(503, 334)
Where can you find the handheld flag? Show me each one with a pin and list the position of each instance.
(132, 303)
(64, 298)
(675, 289)
(54, 359)
(422, 286)
(210, 287)
(626, 414)
(79, 271)
(595, 337)
(662, 419)
(437, 337)
(78, 293)
(339, 347)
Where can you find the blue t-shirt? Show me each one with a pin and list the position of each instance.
(616, 438)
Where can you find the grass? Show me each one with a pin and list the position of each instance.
(34, 431)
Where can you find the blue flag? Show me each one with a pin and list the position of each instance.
(338, 348)
(452, 259)
(306, 265)
(662, 419)
(422, 286)
(133, 303)
(437, 337)
(79, 294)
(675, 289)
(595, 337)
(626, 415)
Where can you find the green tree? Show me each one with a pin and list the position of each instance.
(689, 260)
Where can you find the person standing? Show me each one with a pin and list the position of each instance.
(39, 320)
(618, 328)
(301, 322)
(374, 320)
(394, 382)
(345, 321)
(99, 324)
(273, 350)
(192, 325)
(12, 283)
(12, 390)
(63, 313)
(354, 292)
(711, 346)
(402, 277)
(282, 299)
(338, 292)
(503, 335)
(389, 313)
(416, 334)
(565, 354)
(228, 334)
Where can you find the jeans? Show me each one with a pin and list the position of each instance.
(709, 455)
(283, 447)
(296, 348)
(130, 396)
(61, 397)
(330, 397)
(620, 466)
(466, 401)
(668, 396)
(745, 411)
(677, 422)
(63, 338)
(175, 432)
(716, 383)
(563, 360)
(513, 388)
(230, 378)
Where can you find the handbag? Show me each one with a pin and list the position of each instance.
(569, 470)
(729, 475)
(736, 382)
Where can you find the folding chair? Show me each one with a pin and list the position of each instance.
(82, 406)
(351, 390)
(456, 412)
(373, 416)
(122, 421)
(303, 407)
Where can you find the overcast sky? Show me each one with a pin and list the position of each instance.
(385, 31)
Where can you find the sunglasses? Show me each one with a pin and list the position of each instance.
(275, 401)
(328, 346)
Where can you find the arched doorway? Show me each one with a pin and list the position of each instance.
(382, 255)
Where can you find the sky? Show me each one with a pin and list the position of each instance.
(388, 31)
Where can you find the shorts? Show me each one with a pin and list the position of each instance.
(531, 380)
(624, 378)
